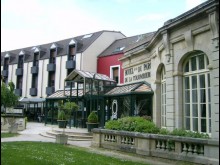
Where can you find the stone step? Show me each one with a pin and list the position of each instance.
(72, 132)
(76, 137)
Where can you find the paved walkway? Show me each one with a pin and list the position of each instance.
(31, 133)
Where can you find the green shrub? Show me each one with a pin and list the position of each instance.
(140, 124)
(61, 115)
(92, 118)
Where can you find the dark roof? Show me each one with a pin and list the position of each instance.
(139, 87)
(82, 42)
(60, 94)
(121, 44)
(79, 75)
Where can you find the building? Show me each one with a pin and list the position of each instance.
(181, 65)
(39, 71)
(108, 61)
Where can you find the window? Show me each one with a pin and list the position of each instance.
(71, 52)
(20, 61)
(6, 63)
(34, 81)
(53, 56)
(51, 82)
(114, 73)
(197, 100)
(36, 59)
(19, 82)
(163, 97)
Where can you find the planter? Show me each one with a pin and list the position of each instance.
(13, 128)
(90, 126)
(61, 138)
(62, 123)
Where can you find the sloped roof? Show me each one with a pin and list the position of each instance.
(139, 87)
(121, 44)
(60, 94)
(82, 44)
(79, 75)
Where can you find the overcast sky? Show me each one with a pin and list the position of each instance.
(27, 23)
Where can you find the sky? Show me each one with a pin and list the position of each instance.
(26, 23)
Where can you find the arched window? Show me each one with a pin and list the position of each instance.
(163, 97)
(196, 88)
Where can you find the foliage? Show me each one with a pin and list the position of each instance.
(66, 109)
(56, 154)
(93, 118)
(135, 124)
(8, 98)
(61, 115)
(140, 124)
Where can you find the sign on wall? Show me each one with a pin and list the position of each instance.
(137, 73)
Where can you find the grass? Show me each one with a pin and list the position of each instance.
(35, 153)
(6, 135)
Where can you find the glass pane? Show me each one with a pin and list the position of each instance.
(203, 125)
(194, 96)
(209, 110)
(201, 62)
(186, 82)
(210, 125)
(203, 110)
(195, 110)
(194, 82)
(202, 81)
(193, 64)
(187, 120)
(187, 67)
(195, 124)
(187, 96)
(187, 109)
(209, 93)
(202, 96)
(208, 80)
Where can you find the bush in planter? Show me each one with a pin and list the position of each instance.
(92, 118)
(92, 121)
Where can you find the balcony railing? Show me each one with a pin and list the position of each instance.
(71, 64)
(5, 73)
(196, 150)
(50, 90)
(19, 71)
(51, 67)
(18, 92)
(34, 69)
(33, 91)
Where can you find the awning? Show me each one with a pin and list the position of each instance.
(139, 87)
(32, 100)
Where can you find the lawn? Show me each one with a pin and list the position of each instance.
(6, 135)
(35, 153)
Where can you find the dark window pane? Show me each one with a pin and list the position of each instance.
(193, 64)
(194, 82)
(194, 96)
(201, 62)
(187, 67)
(209, 93)
(202, 81)
(203, 110)
(195, 110)
(202, 96)
(208, 80)
(203, 125)
(187, 96)
(209, 110)
(187, 109)
(210, 125)
(195, 124)
(186, 82)
(187, 120)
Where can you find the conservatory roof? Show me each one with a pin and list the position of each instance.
(79, 75)
(60, 94)
(139, 87)
(31, 100)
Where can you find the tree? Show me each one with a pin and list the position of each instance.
(8, 98)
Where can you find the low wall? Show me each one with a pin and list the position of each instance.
(20, 120)
(196, 150)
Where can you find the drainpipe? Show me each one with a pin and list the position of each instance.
(42, 79)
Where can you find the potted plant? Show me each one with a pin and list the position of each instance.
(61, 119)
(92, 121)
